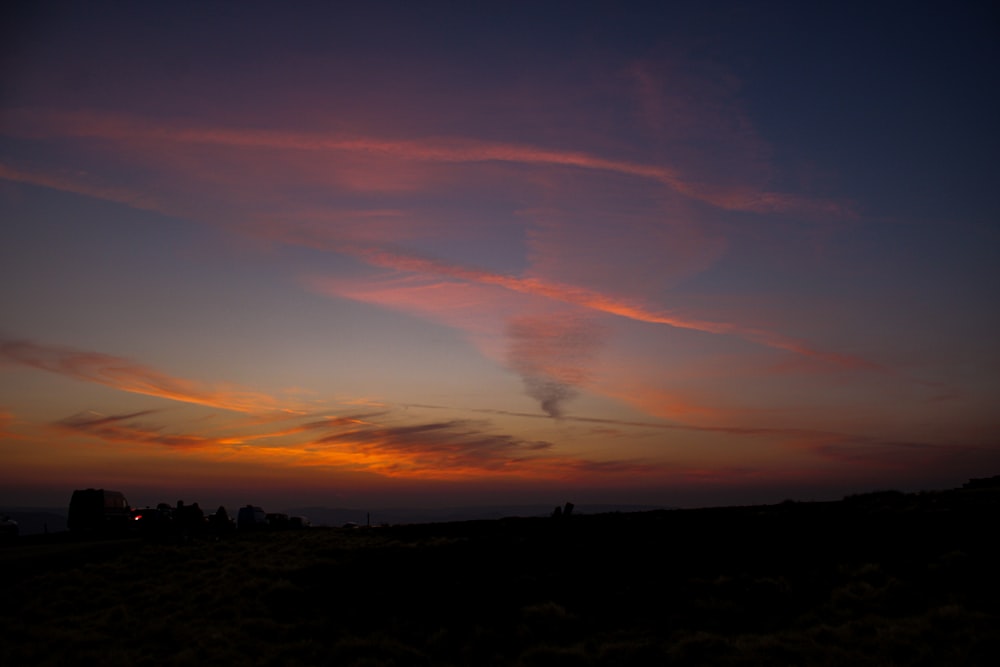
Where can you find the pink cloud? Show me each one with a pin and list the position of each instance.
(479, 310)
(600, 302)
(555, 242)
(369, 169)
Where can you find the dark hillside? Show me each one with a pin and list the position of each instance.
(878, 579)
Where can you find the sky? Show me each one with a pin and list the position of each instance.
(440, 254)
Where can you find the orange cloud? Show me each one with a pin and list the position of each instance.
(455, 450)
(124, 375)
(451, 450)
(462, 450)
(126, 429)
(445, 449)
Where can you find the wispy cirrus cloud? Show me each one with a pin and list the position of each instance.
(479, 310)
(125, 375)
(552, 347)
(81, 185)
(130, 428)
(749, 431)
(139, 135)
(358, 441)
(137, 131)
(454, 449)
(125, 428)
(596, 301)
(458, 449)
(873, 452)
(462, 449)
(449, 446)
(453, 293)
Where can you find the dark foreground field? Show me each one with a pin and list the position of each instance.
(883, 579)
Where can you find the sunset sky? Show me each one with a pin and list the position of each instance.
(387, 254)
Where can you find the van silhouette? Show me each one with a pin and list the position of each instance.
(98, 511)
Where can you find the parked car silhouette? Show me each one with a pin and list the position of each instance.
(98, 511)
(154, 522)
(251, 517)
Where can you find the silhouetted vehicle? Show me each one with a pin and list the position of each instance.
(277, 521)
(9, 529)
(98, 511)
(297, 522)
(251, 517)
(154, 522)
